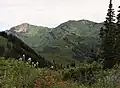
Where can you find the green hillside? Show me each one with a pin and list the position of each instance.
(13, 47)
(62, 38)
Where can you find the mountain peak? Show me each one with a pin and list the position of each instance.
(21, 28)
(83, 21)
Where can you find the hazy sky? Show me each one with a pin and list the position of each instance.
(51, 13)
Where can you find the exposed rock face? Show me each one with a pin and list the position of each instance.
(20, 28)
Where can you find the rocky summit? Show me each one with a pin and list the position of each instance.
(20, 28)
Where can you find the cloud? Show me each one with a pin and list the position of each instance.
(52, 12)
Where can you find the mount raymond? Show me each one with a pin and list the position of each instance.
(58, 43)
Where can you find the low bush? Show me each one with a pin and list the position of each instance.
(19, 74)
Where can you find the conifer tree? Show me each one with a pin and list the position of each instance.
(107, 35)
(118, 34)
(118, 18)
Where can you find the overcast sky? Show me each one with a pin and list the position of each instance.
(51, 13)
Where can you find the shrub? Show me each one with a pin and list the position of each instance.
(17, 74)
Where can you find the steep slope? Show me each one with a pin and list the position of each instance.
(58, 42)
(67, 35)
(81, 27)
(82, 30)
(30, 34)
(13, 47)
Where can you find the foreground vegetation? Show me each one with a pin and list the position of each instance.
(20, 74)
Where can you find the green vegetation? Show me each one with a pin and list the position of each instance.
(109, 35)
(20, 74)
(11, 46)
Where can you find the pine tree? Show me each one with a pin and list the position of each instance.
(107, 35)
(118, 34)
(118, 18)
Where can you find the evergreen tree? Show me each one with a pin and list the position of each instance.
(107, 34)
(118, 18)
(118, 34)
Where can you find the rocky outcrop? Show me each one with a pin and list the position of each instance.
(20, 28)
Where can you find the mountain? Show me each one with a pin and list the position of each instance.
(13, 47)
(28, 32)
(57, 43)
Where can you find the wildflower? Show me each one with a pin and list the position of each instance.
(52, 67)
(37, 63)
(20, 59)
(34, 65)
(23, 55)
(29, 59)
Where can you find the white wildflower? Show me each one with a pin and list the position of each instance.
(29, 59)
(37, 63)
(23, 55)
(20, 59)
(52, 67)
(34, 65)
